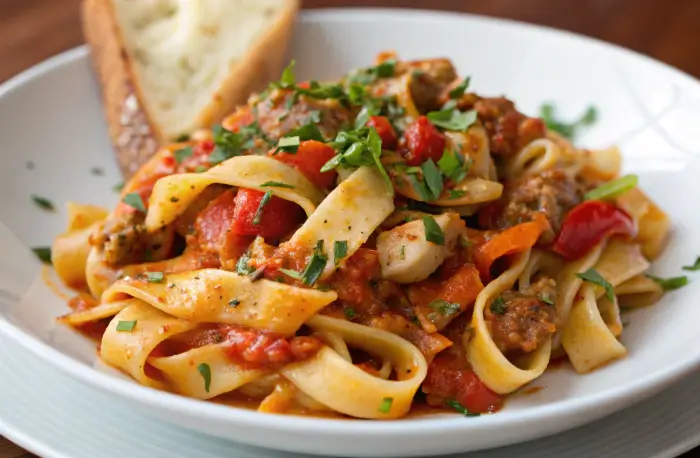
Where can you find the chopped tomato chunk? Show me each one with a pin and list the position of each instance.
(309, 158)
(451, 379)
(277, 217)
(385, 130)
(587, 224)
(422, 141)
(258, 349)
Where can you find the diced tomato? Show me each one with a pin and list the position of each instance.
(385, 130)
(304, 85)
(213, 223)
(278, 216)
(422, 141)
(587, 224)
(309, 158)
(259, 349)
(449, 378)
(242, 117)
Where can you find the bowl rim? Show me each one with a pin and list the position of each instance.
(623, 394)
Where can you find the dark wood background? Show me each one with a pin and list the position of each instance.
(668, 30)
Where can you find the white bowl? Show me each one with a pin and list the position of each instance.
(51, 115)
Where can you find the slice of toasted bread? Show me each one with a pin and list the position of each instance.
(170, 67)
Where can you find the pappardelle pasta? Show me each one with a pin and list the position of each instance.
(348, 247)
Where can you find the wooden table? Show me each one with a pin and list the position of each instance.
(668, 30)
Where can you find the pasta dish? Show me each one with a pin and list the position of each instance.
(362, 246)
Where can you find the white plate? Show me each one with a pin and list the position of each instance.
(63, 419)
(52, 116)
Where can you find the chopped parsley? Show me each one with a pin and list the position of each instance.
(234, 303)
(453, 119)
(97, 171)
(458, 91)
(340, 250)
(567, 130)
(613, 188)
(456, 193)
(695, 266)
(445, 308)
(43, 253)
(291, 273)
(433, 232)
(182, 138)
(349, 313)
(385, 406)
(313, 269)
(228, 144)
(544, 297)
(288, 144)
(453, 165)
(592, 276)
(182, 153)
(134, 200)
(402, 252)
(242, 267)
(259, 212)
(118, 187)
(672, 283)
(276, 184)
(357, 148)
(43, 203)
(126, 326)
(154, 277)
(205, 371)
(365, 76)
(498, 306)
(432, 178)
(200, 169)
(460, 408)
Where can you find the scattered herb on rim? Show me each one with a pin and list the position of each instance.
(453, 119)
(205, 372)
(259, 212)
(592, 276)
(182, 153)
(445, 308)
(567, 130)
(118, 187)
(154, 277)
(135, 201)
(43, 253)
(385, 406)
(43, 203)
(126, 326)
(672, 283)
(433, 232)
(498, 306)
(694, 267)
(613, 188)
(460, 408)
(340, 250)
(276, 184)
(97, 171)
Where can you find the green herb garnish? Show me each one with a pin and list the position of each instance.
(402, 252)
(613, 188)
(276, 184)
(234, 303)
(43, 203)
(183, 153)
(433, 232)
(292, 273)
(567, 130)
(695, 266)
(672, 283)
(456, 193)
(460, 408)
(154, 277)
(432, 178)
(592, 276)
(134, 200)
(498, 306)
(349, 313)
(205, 371)
(385, 406)
(126, 326)
(340, 250)
(453, 119)
(259, 212)
(43, 253)
(458, 91)
(242, 267)
(118, 187)
(445, 308)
